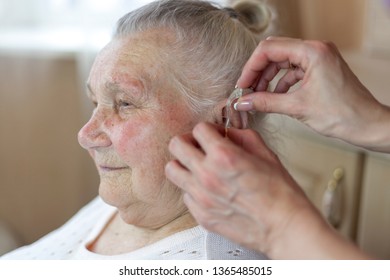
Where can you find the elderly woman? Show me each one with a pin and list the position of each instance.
(170, 65)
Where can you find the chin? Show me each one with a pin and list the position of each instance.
(114, 195)
(131, 212)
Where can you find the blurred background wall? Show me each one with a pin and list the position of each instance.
(46, 50)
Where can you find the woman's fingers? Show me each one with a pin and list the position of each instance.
(251, 142)
(208, 136)
(178, 175)
(186, 150)
(236, 180)
(272, 51)
(194, 165)
(291, 78)
(269, 73)
(266, 102)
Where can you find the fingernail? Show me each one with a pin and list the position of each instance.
(243, 105)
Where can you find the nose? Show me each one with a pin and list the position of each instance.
(93, 134)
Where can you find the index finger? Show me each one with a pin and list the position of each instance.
(207, 134)
(272, 50)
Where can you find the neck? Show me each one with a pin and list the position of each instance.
(150, 235)
(119, 237)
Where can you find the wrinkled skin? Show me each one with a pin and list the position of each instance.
(137, 113)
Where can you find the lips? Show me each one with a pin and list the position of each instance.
(111, 168)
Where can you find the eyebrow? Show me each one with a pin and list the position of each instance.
(110, 87)
(115, 88)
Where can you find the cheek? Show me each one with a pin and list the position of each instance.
(145, 139)
(128, 139)
(138, 141)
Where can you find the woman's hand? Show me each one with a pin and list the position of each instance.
(327, 96)
(238, 188)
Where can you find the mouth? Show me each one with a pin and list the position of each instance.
(105, 168)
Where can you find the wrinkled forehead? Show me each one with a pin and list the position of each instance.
(140, 56)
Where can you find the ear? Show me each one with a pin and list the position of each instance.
(236, 119)
(219, 113)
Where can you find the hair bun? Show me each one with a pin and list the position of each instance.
(255, 14)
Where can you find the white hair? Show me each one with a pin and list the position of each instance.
(210, 48)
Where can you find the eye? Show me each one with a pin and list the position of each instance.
(124, 105)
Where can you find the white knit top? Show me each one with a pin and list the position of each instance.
(72, 239)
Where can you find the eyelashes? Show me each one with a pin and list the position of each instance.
(118, 106)
(123, 105)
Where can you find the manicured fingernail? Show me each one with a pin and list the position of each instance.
(243, 105)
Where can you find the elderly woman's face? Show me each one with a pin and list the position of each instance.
(136, 115)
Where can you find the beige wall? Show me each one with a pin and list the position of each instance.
(335, 20)
(45, 177)
(339, 21)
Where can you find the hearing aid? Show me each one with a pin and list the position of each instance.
(233, 117)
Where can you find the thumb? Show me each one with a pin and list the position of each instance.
(267, 102)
